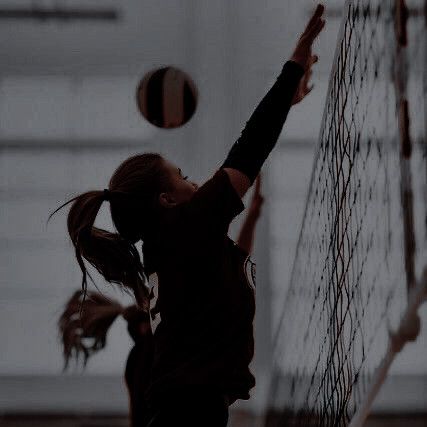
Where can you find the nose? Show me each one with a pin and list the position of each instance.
(196, 187)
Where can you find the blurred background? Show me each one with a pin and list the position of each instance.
(69, 115)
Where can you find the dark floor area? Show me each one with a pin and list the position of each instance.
(237, 419)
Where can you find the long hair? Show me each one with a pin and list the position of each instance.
(133, 195)
(83, 329)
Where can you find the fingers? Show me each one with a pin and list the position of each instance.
(316, 17)
(315, 25)
(316, 30)
(305, 88)
(319, 11)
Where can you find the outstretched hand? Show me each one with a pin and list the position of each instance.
(303, 52)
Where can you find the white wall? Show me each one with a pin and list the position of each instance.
(67, 118)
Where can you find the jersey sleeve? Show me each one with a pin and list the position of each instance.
(215, 204)
(262, 130)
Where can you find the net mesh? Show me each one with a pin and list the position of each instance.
(348, 283)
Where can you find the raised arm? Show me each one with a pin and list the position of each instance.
(247, 232)
(261, 132)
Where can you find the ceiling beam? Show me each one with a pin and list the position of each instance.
(336, 12)
(57, 13)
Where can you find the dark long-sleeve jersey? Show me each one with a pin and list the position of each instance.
(202, 297)
(264, 126)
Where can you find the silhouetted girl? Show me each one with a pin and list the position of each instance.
(200, 290)
(84, 325)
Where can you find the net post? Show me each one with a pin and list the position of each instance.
(400, 79)
(402, 15)
(408, 330)
(409, 325)
(407, 198)
(406, 144)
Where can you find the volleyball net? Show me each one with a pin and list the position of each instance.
(362, 244)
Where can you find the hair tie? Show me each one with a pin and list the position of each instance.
(106, 196)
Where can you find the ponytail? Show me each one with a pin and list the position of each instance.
(83, 328)
(115, 258)
(134, 188)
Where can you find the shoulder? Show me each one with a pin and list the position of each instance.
(217, 197)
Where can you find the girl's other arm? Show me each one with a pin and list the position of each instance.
(247, 232)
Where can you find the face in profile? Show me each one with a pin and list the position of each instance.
(181, 188)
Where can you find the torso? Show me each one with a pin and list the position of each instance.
(202, 308)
